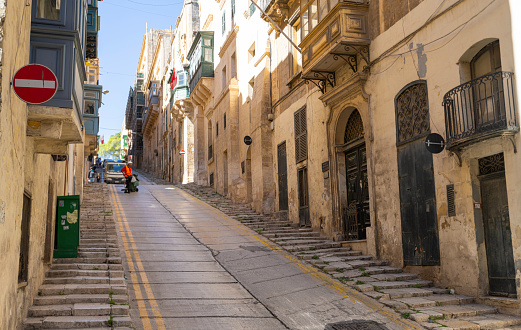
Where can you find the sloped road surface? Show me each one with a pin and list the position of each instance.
(189, 266)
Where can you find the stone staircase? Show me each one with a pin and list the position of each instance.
(405, 293)
(88, 291)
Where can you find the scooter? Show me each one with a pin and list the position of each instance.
(132, 184)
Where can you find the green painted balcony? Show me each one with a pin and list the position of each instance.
(200, 57)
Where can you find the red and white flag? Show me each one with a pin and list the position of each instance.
(173, 81)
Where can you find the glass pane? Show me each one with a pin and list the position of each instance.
(482, 65)
(89, 107)
(305, 27)
(313, 14)
(323, 9)
(208, 54)
(332, 4)
(49, 9)
(207, 42)
(91, 94)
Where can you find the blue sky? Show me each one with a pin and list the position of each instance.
(123, 23)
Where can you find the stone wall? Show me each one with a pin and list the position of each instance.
(463, 262)
(22, 171)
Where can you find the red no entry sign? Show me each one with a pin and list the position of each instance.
(182, 152)
(35, 83)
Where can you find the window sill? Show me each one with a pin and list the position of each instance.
(22, 285)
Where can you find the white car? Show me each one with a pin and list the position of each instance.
(113, 173)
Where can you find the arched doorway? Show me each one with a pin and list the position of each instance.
(356, 216)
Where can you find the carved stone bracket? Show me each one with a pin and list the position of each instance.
(321, 79)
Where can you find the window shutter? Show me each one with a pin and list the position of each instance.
(301, 146)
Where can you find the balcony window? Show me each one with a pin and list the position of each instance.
(296, 56)
(252, 8)
(224, 22)
(49, 9)
(89, 107)
(483, 107)
(313, 12)
(181, 78)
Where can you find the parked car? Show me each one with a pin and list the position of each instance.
(113, 173)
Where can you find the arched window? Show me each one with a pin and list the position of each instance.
(412, 112)
(354, 127)
(487, 60)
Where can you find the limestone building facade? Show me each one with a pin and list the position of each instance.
(321, 111)
(44, 148)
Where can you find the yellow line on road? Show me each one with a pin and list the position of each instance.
(327, 280)
(148, 289)
(137, 290)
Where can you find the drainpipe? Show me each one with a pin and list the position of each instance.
(271, 84)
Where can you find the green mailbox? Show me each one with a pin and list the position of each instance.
(67, 227)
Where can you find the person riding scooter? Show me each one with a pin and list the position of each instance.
(127, 173)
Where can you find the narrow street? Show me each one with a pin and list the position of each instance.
(189, 266)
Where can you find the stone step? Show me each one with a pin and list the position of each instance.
(58, 273)
(435, 300)
(289, 235)
(87, 266)
(72, 322)
(79, 309)
(79, 298)
(78, 280)
(65, 289)
(269, 226)
(286, 230)
(407, 293)
(441, 313)
(312, 247)
(327, 251)
(303, 241)
(297, 238)
(488, 321)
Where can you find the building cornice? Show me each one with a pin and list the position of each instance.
(231, 36)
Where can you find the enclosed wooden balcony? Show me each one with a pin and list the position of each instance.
(200, 57)
(334, 33)
(480, 109)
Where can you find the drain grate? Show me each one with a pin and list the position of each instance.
(355, 325)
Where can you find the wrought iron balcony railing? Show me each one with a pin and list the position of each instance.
(479, 109)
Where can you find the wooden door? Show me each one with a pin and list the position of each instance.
(304, 219)
(419, 221)
(283, 176)
(418, 205)
(357, 218)
(498, 237)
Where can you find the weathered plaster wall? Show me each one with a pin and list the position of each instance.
(22, 170)
(12, 146)
(439, 63)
